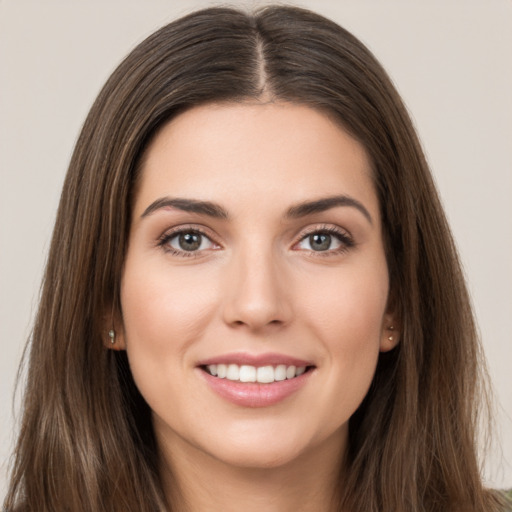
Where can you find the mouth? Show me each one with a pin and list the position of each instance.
(256, 380)
(267, 374)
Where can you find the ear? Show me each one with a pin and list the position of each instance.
(390, 334)
(113, 333)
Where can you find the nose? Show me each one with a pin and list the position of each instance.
(257, 293)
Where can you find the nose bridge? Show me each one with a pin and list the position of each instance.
(255, 291)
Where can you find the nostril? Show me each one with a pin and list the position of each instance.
(256, 325)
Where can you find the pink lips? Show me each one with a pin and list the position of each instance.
(253, 394)
(255, 360)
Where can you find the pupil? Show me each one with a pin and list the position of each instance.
(190, 241)
(320, 242)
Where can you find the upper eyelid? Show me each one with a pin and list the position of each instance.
(330, 228)
(200, 228)
(184, 228)
(170, 233)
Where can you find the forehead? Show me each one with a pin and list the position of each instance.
(237, 152)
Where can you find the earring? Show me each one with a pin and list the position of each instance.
(112, 336)
(391, 328)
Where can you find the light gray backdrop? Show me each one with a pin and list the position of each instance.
(451, 60)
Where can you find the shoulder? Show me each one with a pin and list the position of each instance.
(508, 500)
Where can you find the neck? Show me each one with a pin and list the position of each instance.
(309, 483)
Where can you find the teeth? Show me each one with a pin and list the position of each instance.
(300, 370)
(222, 370)
(280, 372)
(261, 374)
(265, 374)
(247, 373)
(233, 372)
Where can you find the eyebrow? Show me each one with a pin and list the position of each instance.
(326, 203)
(188, 205)
(218, 212)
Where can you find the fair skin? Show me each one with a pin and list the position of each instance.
(243, 274)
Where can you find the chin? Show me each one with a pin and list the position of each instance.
(271, 445)
(255, 457)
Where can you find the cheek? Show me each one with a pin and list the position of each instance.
(348, 306)
(164, 312)
(346, 313)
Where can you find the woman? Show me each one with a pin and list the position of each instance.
(252, 298)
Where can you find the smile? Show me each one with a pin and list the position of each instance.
(256, 380)
(260, 374)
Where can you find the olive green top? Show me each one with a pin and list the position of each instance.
(508, 496)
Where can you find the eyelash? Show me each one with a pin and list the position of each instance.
(164, 240)
(347, 242)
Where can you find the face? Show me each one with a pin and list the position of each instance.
(255, 285)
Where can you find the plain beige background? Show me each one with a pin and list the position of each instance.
(451, 60)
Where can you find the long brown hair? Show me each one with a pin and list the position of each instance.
(86, 440)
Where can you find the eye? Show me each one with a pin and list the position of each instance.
(325, 240)
(187, 242)
(319, 242)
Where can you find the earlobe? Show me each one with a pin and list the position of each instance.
(390, 336)
(114, 340)
(112, 333)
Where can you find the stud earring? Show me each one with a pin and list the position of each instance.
(112, 336)
(391, 328)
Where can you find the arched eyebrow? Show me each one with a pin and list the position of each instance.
(188, 205)
(216, 211)
(326, 203)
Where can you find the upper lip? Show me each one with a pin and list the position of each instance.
(244, 358)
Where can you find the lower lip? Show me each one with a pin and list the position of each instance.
(253, 394)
